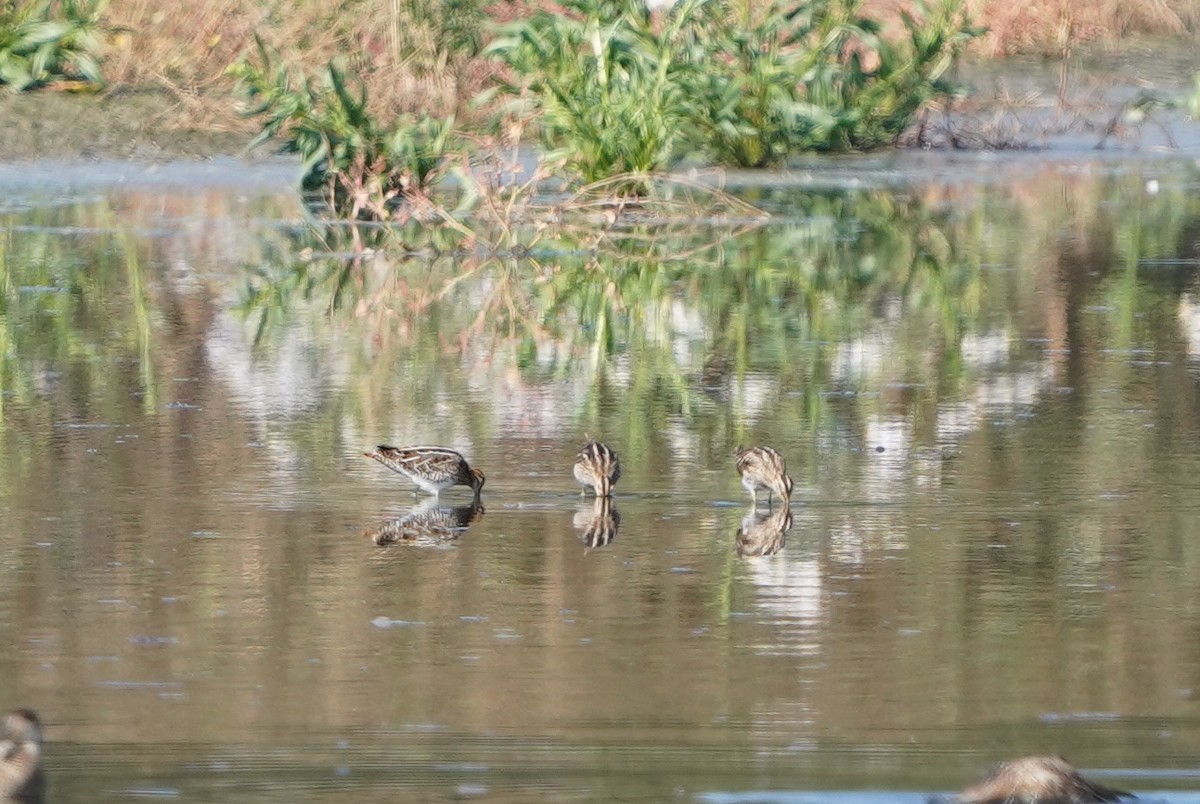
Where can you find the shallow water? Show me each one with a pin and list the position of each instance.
(985, 386)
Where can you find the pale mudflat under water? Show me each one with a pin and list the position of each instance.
(986, 383)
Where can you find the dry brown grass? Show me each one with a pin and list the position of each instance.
(184, 49)
(1055, 27)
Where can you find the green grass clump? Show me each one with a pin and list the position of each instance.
(48, 41)
(621, 90)
(769, 82)
(361, 167)
(605, 82)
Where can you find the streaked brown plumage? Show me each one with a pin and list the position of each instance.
(763, 468)
(1037, 780)
(21, 776)
(431, 468)
(427, 524)
(597, 466)
(763, 535)
(599, 524)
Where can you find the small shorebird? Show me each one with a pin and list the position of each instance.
(597, 466)
(763, 468)
(431, 468)
(21, 758)
(1037, 780)
(762, 535)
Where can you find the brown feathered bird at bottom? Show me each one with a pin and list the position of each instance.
(431, 468)
(597, 466)
(21, 758)
(763, 468)
(1037, 780)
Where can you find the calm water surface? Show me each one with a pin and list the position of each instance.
(986, 390)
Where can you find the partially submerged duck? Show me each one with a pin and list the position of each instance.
(21, 757)
(1037, 780)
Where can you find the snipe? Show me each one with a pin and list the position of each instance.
(763, 468)
(1037, 780)
(431, 468)
(597, 466)
(21, 758)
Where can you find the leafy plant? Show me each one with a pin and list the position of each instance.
(360, 166)
(50, 40)
(621, 91)
(605, 80)
(813, 76)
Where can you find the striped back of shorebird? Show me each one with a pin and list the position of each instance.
(764, 467)
(597, 466)
(439, 467)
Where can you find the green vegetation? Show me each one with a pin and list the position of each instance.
(770, 82)
(618, 93)
(50, 41)
(620, 90)
(360, 166)
(606, 83)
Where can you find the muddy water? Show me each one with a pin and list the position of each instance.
(986, 392)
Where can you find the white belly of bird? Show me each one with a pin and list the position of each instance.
(431, 486)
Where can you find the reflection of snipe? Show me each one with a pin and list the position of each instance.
(1029, 780)
(763, 535)
(427, 524)
(21, 758)
(598, 524)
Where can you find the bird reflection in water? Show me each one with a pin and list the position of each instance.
(763, 535)
(428, 524)
(597, 523)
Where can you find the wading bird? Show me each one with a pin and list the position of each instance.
(597, 466)
(431, 468)
(763, 468)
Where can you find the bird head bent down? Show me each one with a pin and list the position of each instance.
(476, 481)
